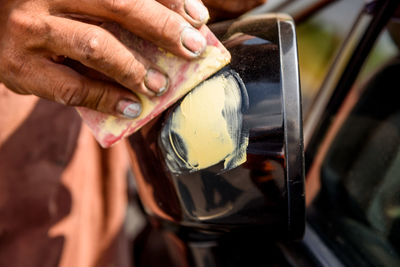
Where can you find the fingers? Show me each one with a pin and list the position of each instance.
(98, 49)
(148, 19)
(63, 85)
(192, 10)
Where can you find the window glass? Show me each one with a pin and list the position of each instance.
(357, 210)
(319, 39)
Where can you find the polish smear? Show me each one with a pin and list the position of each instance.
(206, 128)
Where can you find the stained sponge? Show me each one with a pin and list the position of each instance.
(183, 76)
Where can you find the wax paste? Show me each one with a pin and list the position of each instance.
(206, 128)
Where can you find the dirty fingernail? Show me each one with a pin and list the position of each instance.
(129, 109)
(197, 11)
(193, 41)
(156, 81)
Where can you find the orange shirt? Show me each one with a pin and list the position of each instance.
(62, 197)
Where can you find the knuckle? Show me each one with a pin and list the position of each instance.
(133, 72)
(18, 21)
(166, 21)
(99, 99)
(14, 65)
(25, 25)
(118, 7)
(92, 45)
(17, 68)
(71, 93)
(169, 31)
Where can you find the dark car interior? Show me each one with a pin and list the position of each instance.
(359, 198)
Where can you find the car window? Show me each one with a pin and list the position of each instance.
(357, 207)
(319, 39)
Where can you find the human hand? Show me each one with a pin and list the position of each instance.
(224, 9)
(35, 35)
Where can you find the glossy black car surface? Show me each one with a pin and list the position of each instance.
(352, 162)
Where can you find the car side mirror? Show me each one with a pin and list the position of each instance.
(244, 172)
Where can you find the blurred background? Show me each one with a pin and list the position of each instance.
(320, 38)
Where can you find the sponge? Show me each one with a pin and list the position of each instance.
(184, 75)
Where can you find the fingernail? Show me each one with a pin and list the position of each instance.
(193, 41)
(129, 109)
(197, 11)
(156, 81)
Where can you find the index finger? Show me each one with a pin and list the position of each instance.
(192, 10)
(148, 19)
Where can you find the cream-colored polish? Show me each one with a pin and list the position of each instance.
(209, 124)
